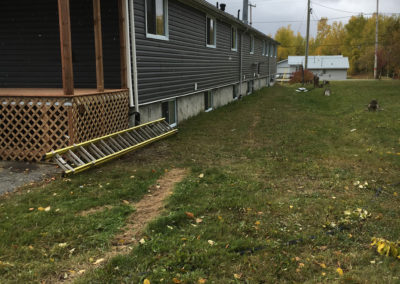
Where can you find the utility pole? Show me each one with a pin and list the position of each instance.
(251, 12)
(307, 38)
(376, 41)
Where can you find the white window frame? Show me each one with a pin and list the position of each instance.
(175, 112)
(276, 50)
(166, 29)
(252, 42)
(235, 91)
(236, 38)
(267, 49)
(215, 32)
(211, 101)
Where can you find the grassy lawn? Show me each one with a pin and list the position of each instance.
(284, 175)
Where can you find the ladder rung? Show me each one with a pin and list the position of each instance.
(129, 134)
(103, 146)
(85, 154)
(151, 131)
(71, 155)
(115, 144)
(123, 140)
(96, 151)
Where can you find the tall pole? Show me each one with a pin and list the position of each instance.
(251, 12)
(308, 34)
(376, 41)
(307, 39)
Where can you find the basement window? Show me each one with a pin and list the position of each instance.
(251, 44)
(211, 32)
(234, 40)
(250, 87)
(208, 101)
(157, 19)
(168, 111)
(235, 91)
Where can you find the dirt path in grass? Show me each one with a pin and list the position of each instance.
(147, 209)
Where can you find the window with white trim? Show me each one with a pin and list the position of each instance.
(276, 50)
(168, 111)
(271, 50)
(234, 39)
(251, 44)
(235, 92)
(157, 19)
(263, 48)
(208, 101)
(211, 32)
(267, 49)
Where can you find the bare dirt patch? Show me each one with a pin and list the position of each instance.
(146, 210)
(94, 210)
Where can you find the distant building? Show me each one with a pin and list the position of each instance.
(330, 68)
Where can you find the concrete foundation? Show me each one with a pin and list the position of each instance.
(222, 96)
(192, 105)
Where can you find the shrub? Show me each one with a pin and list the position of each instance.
(298, 77)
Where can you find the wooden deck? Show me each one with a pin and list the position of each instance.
(50, 92)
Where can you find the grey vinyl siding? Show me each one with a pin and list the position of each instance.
(168, 68)
(30, 44)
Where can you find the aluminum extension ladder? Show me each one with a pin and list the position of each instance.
(80, 157)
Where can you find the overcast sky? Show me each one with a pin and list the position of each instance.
(270, 15)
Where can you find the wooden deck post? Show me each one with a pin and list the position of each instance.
(66, 47)
(98, 39)
(122, 42)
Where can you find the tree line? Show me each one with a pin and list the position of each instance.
(355, 40)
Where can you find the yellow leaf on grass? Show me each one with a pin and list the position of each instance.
(323, 265)
(40, 209)
(175, 280)
(237, 276)
(146, 281)
(201, 175)
(257, 223)
(202, 281)
(339, 271)
(199, 220)
(100, 260)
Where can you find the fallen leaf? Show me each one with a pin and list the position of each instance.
(257, 223)
(190, 215)
(291, 206)
(199, 220)
(237, 276)
(339, 271)
(62, 245)
(80, 272)
(31, 247)
(40, 209)
(47, 209)
(142, 241)
(100, 260)
(201, 175)
(175, 280)
(211, 242)
(125, 202)
(323, 265)
(146, 281)
(201, 281)
(132, 176)
(31, 209)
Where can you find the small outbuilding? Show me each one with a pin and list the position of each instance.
(329, 68)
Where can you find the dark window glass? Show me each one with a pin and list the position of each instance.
(207, 100)
(156, 16)
(234, 38)
(210, 31)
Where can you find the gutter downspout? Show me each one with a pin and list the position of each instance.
(241, 64)
(128, 53)
(134, 97)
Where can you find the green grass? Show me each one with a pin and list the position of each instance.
(278, 168)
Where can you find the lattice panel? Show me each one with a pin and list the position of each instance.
(98, 115)
(31, 127)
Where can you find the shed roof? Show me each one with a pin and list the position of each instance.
(214, 11)
(321, 62)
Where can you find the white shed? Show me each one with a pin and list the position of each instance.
(329, 68)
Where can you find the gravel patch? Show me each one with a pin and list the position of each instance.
(16, 174)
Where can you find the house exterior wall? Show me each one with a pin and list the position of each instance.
(171, 68)
(331, 75)
(30, 53)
